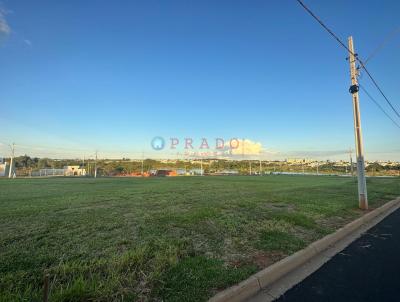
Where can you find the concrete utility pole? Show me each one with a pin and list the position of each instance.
(95, 166)
(351, 163)
(201, 166)
(362, 185)
(142, 162)
(10, 170)
(260, 168)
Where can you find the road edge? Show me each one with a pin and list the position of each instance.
(272, 274)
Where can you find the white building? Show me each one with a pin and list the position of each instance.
(74, 171)
(4, 167)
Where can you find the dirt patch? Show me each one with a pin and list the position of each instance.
(259, 258)
(263, 259)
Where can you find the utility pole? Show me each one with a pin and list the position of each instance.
(201, 166)
(317, 168)
(351, 163)
(142, 162)
(260, 168)
(362, 185)
(11, 170)
(95, 166)
(250, 166)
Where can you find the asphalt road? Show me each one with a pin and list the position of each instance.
(367, 270)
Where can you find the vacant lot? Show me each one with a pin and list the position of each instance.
(171, 239)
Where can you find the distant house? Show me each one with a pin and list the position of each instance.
(181, 172)
(166, 172)
(4, 169)
(74, 171)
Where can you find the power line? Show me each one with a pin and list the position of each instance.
(379, 106)
(385, 41)
(380, 90)
(81, 150)
(355, 55)
(325, 27)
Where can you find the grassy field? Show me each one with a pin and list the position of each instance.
(171, 239)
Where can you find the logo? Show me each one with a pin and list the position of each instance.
(158, 143)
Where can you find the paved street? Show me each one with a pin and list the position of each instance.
(367, 270)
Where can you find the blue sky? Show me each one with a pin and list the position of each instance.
(87, 75)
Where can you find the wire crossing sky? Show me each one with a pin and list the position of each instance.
(91, 75)
(362, 66)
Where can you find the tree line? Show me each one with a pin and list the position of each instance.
(25, 163)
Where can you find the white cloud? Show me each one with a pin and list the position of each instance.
(248, 147)
(4, 27)
(28, 42)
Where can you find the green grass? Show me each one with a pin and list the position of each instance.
(170, 239)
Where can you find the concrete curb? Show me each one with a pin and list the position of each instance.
(266, 277)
